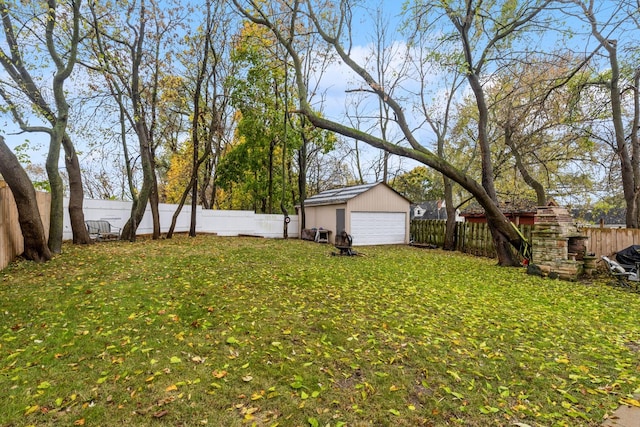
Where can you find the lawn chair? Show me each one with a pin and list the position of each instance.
(100, 230)
(344, 242)
(626, 278)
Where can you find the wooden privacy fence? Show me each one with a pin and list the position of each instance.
(607, 241)
(11, 241)
(428, 231)
(471, 238)
(476, 239)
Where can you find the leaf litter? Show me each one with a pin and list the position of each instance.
(271, 332)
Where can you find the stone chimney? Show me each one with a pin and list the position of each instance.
(558, 248)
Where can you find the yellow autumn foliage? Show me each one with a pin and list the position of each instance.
(178, 174)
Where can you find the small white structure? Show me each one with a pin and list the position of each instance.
(374, 214)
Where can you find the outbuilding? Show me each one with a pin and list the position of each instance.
(374, 214)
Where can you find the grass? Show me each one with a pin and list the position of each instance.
(242, 331)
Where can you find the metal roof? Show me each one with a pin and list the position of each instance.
(338, 195)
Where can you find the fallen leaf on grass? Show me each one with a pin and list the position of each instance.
(31, 409)
(44, 385)
(160, 414)
(219, 374)
(630, 401)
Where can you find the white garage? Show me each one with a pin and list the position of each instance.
(378, 228)
(374, 214)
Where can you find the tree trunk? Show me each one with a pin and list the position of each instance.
(626, 168)
(483, 138)
(194, 206)
(302, 181)
(140, 205)
(56, 212)
(35, 241)
(76, 194)
(189, 188)
(59, 129)
(183, 199)
(635, 138)
(131, 226)
(154, 198)
(272, 147)
(541, 196)
(450, 228)
(629, 184)
(154, 202)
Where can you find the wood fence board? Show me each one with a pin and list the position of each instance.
(475, 239)
(11, 241)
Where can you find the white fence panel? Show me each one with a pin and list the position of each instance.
(223, 223)
(272, 226)
(228, 223)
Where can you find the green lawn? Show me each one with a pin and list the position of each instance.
(244, 331)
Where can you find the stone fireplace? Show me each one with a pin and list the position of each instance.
(558, 248)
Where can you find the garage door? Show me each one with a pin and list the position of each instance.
(378, 228)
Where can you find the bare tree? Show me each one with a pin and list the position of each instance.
(334, 27)
(16, 66)
(128, 54)
(606, 29)
(210, 102)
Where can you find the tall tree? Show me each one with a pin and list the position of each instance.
(495, 27)
(610, 26)
(62, 42)
(482, 30)
(259, 95)
(209, 99)
(538, 136)
(128, 51)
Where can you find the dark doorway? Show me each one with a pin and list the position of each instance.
(340, 223)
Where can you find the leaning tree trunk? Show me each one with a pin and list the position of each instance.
(76, 194)
(35, 240)
(541, 195)
(140, 204)
(501, 230)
